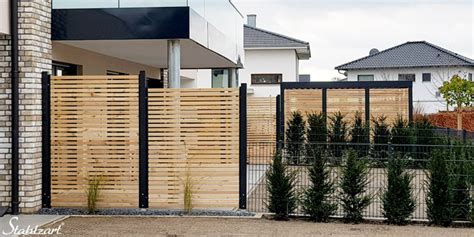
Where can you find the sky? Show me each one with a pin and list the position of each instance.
(340, 31)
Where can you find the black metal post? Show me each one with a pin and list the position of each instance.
(282, 112)
(46, 139)
(367, 105)
(143, 140)
(464, 135)
(15, 200)
(325, 101)
(278, 123)
(243, 147)
(410, 103)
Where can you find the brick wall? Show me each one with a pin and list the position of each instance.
(34, 58)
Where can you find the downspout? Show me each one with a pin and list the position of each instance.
(15, 107)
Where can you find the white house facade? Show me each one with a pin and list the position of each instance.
(427, 65)
(270, 59)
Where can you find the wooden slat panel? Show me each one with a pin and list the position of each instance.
(194, 131)
(389, 102)
(303, 100)
(94, 132)
(346, 101)
(261, 126)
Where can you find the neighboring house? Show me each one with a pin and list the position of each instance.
(65, 37)
(270, 59)
(426, 64)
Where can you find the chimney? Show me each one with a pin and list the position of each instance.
(252, 20)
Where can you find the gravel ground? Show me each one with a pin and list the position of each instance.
(187, 226)
(144, 212)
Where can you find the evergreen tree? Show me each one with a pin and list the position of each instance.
(317, 132)
(424, 134)
(439, 195)
(461, 191)
(398, 202)
(401, 134)
(337, 133)
(295, 137)
(281, 189)
(316, 201)
(381, 136)
(360, 134)
(353, 184)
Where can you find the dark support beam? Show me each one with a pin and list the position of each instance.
(325, 101)
(278, 126)
(243, 147)
(410, 103)
(282, 113)
(143, 140)
(367, 105)
(46, 139)
(15, 160)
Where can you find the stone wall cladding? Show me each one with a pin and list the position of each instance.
(5, 124)
(34, 57)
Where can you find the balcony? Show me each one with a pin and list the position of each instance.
(211, 29)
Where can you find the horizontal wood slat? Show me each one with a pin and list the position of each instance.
(94, 132)
(390, 103)
(194, 132)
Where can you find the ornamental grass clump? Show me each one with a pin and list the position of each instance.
(397, 199)
(281, 189)
(93, 191)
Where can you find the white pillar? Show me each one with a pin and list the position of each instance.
(233, 78)
(174, 64)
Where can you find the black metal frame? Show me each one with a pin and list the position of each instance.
(143, 140)
(324, 86)
(243, 146)
(46, 138)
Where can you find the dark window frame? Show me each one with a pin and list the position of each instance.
(70, 68)
(424, 79)
(116, 73)
(366, 75)
(469, 77)
(407, 74)
(278, 77)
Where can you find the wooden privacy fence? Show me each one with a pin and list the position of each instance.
(144, 145)
(194, 136)
(94, 133)
(261, 126)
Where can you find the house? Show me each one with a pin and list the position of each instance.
(114, 37)
(270, 58)
(426, 64)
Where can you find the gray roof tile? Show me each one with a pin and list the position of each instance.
(259, 38)
(410, 54)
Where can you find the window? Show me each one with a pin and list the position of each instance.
(66, 69)
(155, 83)
(470, 76)
(365, 77)
(266, 78)
(426, 77)
(220, 78)
(406, 77)
(438, 94)
(115, 73)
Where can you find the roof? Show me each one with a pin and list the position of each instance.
(410, 54)
(256, 38)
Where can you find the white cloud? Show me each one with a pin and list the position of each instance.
(341, 30)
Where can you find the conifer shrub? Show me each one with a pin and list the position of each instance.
(381, 133)
(353, 184)
(295, 137)
(337, 133)
(462, 169)
(401, 135)
(439, 196)
(317, 201)
(317, 131)
(360, 134)
(281, 189)
(397, 199)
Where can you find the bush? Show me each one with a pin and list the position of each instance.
(353, 184)
(360, 133)
(424, 134)
(316, 201)
(439, 191)
(401, 134)
(381, 136)
(337, 133)
(281, 189)
(295, 133)
(317, 128)
(461, 191)
(398, 202)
